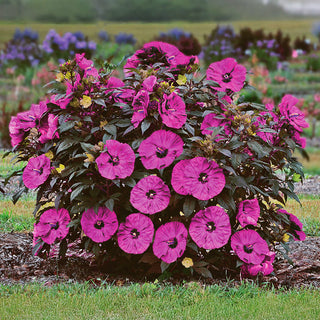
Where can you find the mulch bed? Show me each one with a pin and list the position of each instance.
(18, 265)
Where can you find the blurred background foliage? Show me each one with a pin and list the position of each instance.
(71, 11)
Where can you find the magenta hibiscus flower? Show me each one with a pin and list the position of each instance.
(173, 111)
(36, 171)
(178, 180)
(157, 51)
(289, 110)
(48, 130)
(149, 83)
(16, 132)
(199, 177)
(249, 246)
(135, 234)
(150, 195)
(228, 74)
(52, 225)
(160, 149)
(170, 241)
(295, 226)
(248, 212)
(210, 121)
(26, 120)
(210, 228)
(101, 226)
(82, 62)
(265, 267)
(301, 141)
(140, 107)
(116, 161)
(114, 83)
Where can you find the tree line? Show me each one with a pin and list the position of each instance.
(62, 11)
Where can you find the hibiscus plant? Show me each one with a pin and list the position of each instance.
(164, 170)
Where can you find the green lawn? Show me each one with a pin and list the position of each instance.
(155, 301)
(146, 31)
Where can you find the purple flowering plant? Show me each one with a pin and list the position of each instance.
(145, 183)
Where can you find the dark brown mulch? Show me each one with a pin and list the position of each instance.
(18, 265)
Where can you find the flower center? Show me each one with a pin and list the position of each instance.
(55, 226)
(161, 152)
(114, 160)
(203, 177)
(172, 243)
(248, 248)
(170, 59)
(226, 77)
(99, 224)
(210, 226)
(40, 171)
(153, 105)
(151, 194)
(135, 233)
(294, 115)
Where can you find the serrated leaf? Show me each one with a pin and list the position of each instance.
(65, 126)
(101, 102)
(148, 258)
(164, 266)
(145, 126)
(200, 264)
(63, 248)
(17, 195)
(76, 192)
(189, 206)
(110, 204)
(111, 128)
(189, 128)
(38, 246)
(204, 272)
(130, 182)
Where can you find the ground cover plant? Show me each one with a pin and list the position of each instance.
(164, 170)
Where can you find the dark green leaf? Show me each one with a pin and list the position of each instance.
(145, 126)
(76, 192)
(110, 204)
(164, 266)
(204, 272)
(63, 248)
(189, 205)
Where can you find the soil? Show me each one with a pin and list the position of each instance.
(18, 265)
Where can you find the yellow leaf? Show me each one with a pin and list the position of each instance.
(59, 77)
(90, 157)
(85, 101)
(182, 79)
(285, 237)
(60, 168)
(49, 155)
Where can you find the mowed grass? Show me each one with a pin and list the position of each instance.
(308, 213)
(311, 166)
(154, 301)
(144, 32)
(8, 165)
